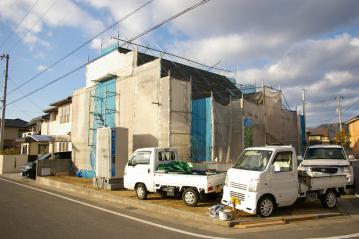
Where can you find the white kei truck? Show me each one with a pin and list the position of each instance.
(264, 178)
(142, 175)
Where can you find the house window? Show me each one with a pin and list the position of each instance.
(24, 149)
(43, 148)
(63, 146)
(64, 112)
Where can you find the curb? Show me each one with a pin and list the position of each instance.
(279, 220)
(103, 195)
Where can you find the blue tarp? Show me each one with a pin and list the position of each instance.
(103, 115)
(201, 130)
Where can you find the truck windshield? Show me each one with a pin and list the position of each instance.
(324, 153)
(255, 160)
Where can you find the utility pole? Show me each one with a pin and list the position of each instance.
(339, 110)
(304, 116)
(265, 113)
(6, 57)
(303, 100)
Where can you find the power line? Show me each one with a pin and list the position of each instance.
(170, 19)
(37, 22)
(49, 83)
(79, 47)
(19, 24)
(132, 39)
(170, 54)
(350, 106)
(30, 100)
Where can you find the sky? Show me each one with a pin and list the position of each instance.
(287, 44)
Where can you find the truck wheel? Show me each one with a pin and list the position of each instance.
(265, 206)
(329, 199)
(141, 191)
(190, 197)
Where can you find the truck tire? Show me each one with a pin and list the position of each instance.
(141, 191)
(265, 206)
(190, 197)
(329, 199)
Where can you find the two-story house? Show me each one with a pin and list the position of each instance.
(353, 125)
(58, 125)
(51, 132)
(13, 129)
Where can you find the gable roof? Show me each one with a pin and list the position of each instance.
(352, 120)
(15, 123)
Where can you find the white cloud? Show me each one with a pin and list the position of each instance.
(325, 68)
(41, 67)
(294, 44)
(48, 13)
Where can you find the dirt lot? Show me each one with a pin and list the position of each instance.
(202, 207)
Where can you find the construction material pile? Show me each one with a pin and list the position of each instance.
(176, 166)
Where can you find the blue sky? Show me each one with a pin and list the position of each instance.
(291, 44)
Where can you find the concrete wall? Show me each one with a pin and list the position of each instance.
(140, 106)
(144, 107)
(80, 128)
(114, 63)
(180, 118)
(56, 166)
(12, 163)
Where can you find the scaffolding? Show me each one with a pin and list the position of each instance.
(98, 116)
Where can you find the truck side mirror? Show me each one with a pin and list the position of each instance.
(299, 159)
(351, 157)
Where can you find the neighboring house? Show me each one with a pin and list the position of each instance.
(353, 125)
(318, 135)
(13, 130)
(51, 132)
(32, 142)
(58, 125)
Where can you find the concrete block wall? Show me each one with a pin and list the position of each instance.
(55, 165)
(12, 163)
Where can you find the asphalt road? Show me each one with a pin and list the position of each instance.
(29, 213)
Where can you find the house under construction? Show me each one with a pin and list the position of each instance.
(162, 103)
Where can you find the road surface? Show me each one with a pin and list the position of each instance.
(31, 212)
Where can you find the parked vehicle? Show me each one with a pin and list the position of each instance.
(29, 170)
(324, 160)
(142, 174)
(264, 178)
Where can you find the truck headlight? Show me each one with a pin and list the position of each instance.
(253, 185)
(346, 170)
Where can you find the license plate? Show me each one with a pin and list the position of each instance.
(235, 200)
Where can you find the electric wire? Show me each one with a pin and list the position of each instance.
(132, 39)
(30, 100)
(36, 23)
(3, 43)
(79, 47)
(170, 54)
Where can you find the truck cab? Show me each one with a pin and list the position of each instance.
(143, 163)
(261, 179)
(147, 172)
(324, 160)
